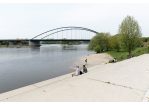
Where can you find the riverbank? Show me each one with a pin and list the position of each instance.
(94, 59)
(125, 81)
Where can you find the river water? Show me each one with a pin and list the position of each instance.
(20, 67)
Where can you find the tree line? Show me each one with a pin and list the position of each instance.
(145, 39)
(70, 42)
(15, 43)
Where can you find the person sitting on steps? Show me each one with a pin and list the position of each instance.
(84, 69)
(77, 71)
(114, 60)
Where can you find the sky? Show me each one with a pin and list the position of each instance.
(26, 20)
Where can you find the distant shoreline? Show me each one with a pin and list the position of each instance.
(13, 46)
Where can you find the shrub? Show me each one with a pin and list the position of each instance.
(139, 51)
(137, 54)
(142, 52)
(97, 49)
(148, 47)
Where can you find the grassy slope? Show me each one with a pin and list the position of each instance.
(138, 51)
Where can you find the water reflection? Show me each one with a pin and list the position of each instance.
(35, 49)
(69, 47)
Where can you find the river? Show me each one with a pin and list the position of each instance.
(20, 67)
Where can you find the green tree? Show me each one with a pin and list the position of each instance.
(147, 43)
(97, 49)
(140, 42)
(147, 38)
(70, 43)
(143, 39)
(130, 33)
(148, 48)
(107, 37)
(99, 39)
(114, 43)
(64, 42)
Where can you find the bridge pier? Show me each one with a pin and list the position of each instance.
(11, 42)
(18, 42)
(34, 43)
(1, 42)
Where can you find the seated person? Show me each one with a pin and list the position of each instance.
(77, 71)
(84, 69)
(114, 60)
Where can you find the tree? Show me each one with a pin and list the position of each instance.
(114, 43)
(107, 36)
(64, 42)
(140, 42)
(143, 39)
(97, 49)
(100, 40)
(147, 43)
(70, 43)
(130, 33)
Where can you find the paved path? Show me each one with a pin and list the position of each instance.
(125, 81)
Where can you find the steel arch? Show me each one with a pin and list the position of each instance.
(70, 28)
(59, 31)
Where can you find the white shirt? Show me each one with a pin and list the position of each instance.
(77, 71)
(115, 60)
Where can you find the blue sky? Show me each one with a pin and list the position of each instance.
(28, 20)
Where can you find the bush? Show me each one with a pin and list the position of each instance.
(148, 47)
(137, 54)
(139, 51)
(97, 49)
(142, 52)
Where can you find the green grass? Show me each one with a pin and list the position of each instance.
(138, 51)
(107, 82)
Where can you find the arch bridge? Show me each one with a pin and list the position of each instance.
(71, 33)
